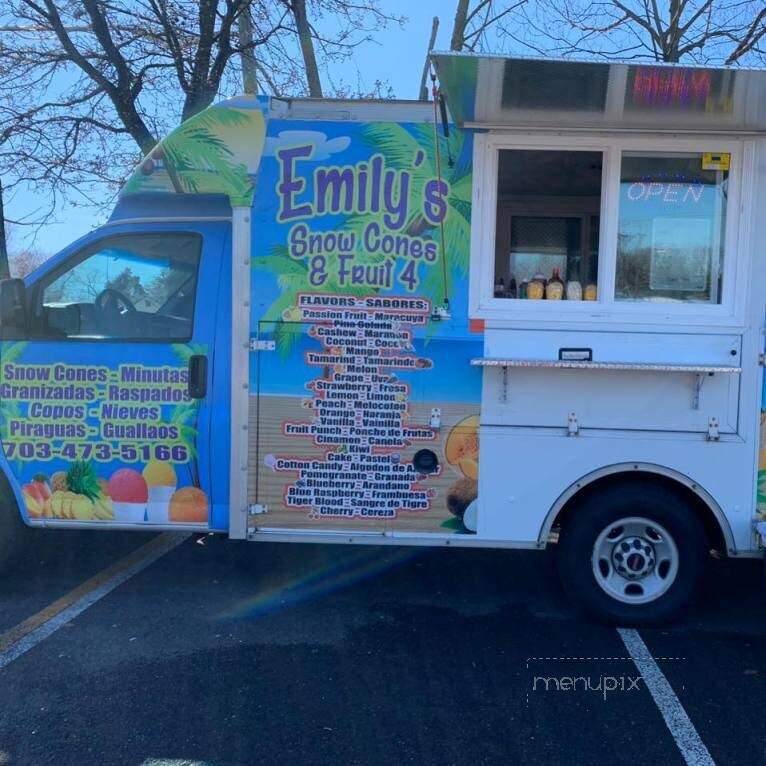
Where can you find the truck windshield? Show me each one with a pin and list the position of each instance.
(139, 286)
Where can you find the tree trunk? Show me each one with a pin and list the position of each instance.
(249, 65)
(458, 30)
(672, 34)
(5, 270)
(423, 93)
(307, 48)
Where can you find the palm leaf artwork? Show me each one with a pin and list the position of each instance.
(197, 158)
(10, 352)
(400, 147)
(185, 415)
(184, 351)
(292, 278)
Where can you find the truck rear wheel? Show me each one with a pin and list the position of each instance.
(14, 534)
(632, 554)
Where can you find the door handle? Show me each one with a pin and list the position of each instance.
(197, 387)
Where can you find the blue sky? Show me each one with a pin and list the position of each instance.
(374, 60)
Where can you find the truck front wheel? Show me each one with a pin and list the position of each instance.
(632, 554)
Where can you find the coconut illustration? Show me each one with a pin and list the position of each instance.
(461, 501)
(471, 516)
(460, 495)
(189, 506)
(130, 495)
(161, 481)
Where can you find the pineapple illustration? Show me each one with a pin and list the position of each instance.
(79, 496)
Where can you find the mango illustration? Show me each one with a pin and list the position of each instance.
(37, 497)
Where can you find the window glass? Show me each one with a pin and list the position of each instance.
(140, 286)
(671, 227)
(547, 236)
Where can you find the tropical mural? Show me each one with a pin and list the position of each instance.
(102, 438)
(215, 152)
(409, 150)
(359, 277)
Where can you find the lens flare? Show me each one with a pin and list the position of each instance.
(323, 578)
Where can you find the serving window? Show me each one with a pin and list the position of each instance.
(547, 230)
(672, 223)
(629, 223)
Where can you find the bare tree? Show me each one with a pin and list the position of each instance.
(5, 271)
(475, 19)
(331, 31)
(24, 261)
(306, 42)
(247, 55)
(423, 90)
(87, 86)
(703, 31)
(123, 51)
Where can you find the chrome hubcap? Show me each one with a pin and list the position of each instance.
(635, 560)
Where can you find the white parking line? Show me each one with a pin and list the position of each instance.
(685, 735)
(31, 632)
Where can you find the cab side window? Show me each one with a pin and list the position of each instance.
(127, 287)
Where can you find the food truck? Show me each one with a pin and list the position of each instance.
(529, 313)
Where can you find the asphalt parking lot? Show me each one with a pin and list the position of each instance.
(242, 653)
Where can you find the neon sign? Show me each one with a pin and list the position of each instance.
(657, 86)
(671, 192)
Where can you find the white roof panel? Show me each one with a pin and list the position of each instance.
(495, 91)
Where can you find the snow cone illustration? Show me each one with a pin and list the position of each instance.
(189, 506)
(162, 481)
(129, 493)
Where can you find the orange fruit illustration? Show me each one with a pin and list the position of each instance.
(188, 505)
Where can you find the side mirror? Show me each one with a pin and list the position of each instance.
(13, 307)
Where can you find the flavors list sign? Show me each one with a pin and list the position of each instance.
(360, 409)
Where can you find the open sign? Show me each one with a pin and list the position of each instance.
(671, 192)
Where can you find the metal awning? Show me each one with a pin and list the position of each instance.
(495, 91)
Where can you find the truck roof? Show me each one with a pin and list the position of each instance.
(353, 110)
(486, 92)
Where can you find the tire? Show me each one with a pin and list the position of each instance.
(14, 533)
(632, 554)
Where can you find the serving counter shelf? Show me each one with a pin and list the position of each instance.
(566, 364)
